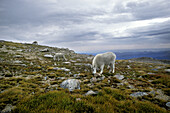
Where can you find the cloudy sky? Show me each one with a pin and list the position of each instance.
(87, 25)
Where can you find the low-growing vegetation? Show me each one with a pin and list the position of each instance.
(31, 83)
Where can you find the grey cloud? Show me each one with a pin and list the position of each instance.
(78, 23)
(149, 9)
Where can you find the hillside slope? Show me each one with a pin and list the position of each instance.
(30, 82)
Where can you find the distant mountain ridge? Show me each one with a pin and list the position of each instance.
(156, 54)
(150, 60)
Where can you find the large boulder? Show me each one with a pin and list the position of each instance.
(70, 84)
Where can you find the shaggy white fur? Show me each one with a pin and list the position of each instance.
(59, 55)
(100, 60)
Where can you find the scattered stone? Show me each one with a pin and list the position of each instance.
(73, 61)
(1, 77)
(128, 67)
(154, 69)
(18, 56)
(120, 77)
(61, 78)
(168, 104)
(57, 68)
(70, 84)
(138, 94)
(130, 87)
(91, 92)
(161, 95)
(88, 65)
(140, 77)
(152, 92)
(48, 56)
(66, 62)
(76, 75)
(8, 108)
(93, 79)
(31, 63)
(78, 99)
(20, 50)
(64, 69)
(45, 50)
(167, 70)
(78, 64)
(18, 62)
(45, 78)
(151, 73)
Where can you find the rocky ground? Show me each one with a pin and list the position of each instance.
(31, 81)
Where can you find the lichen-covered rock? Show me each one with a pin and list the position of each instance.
(18, 62)
(70, 84)
(167, 70)
(18, 56)
(168, 104)
(138, 94)
(91, 92)
(7, 108)
(120, 77)
(45, 50)
(48, 56)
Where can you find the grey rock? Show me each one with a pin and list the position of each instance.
(73, 61)
(78, 99)
(88, 65)
(93, 79)
(152, 92)
(18, 56)
(130, 86)
(61, 78)
(161, 95)
(138, 94)
(151, 73)
(1, 77)
(48, 56)
(45, 78)
(66, 62)
(128, 67)
(120, 77)
(8, 108)
(70, 84)
(168, 104)
(44, 50)
(91, 92)
(20, 50)
(167, 70)
(78, 64)
(63, 68)
(18, 62)
(155, 69)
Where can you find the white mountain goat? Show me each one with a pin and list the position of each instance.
(59, 55)
(100, 60)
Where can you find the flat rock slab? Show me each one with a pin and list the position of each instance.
(91, 92)
(138, 94)
(48, 56)
(120, 77)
